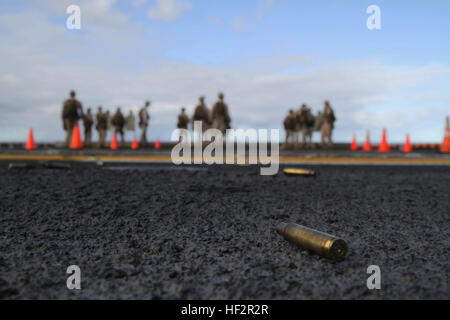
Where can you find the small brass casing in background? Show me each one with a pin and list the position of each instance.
(20, 166)
(322, 243)
(55, 165)
(299, 172)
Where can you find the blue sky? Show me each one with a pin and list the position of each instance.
(266, 55)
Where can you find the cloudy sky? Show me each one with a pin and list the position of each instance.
(266, 55)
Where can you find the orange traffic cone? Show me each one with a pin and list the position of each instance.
(30, 145)
(367, 146)
(114, 144)
(383, 147)
(135, 144)
(354, 145)
(76, 142)
(407, 147)
(445, 146)
(157, 144)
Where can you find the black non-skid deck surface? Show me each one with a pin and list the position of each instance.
(210, 232)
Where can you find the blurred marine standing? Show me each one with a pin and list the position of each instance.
(201, 113)
(72, 111)
(88, 121)
(101, 127)
(183, 121)
(299, 123)
(289, 127)
(118, 121)
(220, 116)
(143, 121)
(328, 120)
(307, 128)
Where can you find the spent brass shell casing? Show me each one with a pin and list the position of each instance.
(57, 165)
(299, 172)
(19, 166)
(324, 244)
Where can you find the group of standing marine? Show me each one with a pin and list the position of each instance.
(302, 120)
(218, 118)
(73, 111)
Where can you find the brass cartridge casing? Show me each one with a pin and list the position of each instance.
(299, 172)
(322, 243)
(57, 165)
(19, 166)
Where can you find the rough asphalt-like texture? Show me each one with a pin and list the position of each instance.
(210, 233)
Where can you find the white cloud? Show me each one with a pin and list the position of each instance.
(9, 79)
(101, 13)
(214, 20)
(265, 6)
(238, 23)
(169, 10)
(137, 3)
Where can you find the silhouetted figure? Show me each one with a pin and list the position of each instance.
(220, 116)
(299, 123)
(144, 119)
(201, 113)
(183, 121)
(88, 121)
(289, 127)
(72, 111)
(118, 121)
(307, 127)
(102, 125)
(327, 124)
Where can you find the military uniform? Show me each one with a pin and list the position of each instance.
(72, 111)
(289, 126)
(328, 120)
(201, 113)
(102, 125)
(183, 121)
(143, 122)
(118, 121)
(88, 121)
(307, 128)
(299, 122)
(220, 117)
